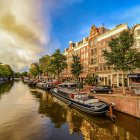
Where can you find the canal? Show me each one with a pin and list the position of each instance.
(32, 114)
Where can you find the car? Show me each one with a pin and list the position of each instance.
(102, 89)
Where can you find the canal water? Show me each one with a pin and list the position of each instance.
(32, 114)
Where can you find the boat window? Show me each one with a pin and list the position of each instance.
(65, 86)
(59, 85)
(73, 86)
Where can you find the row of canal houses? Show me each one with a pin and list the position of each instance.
(90, 51)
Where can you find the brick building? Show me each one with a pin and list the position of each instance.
(106, 75)
(134, 77)
(90, 51)
(81, 49)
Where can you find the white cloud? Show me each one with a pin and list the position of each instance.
(23, 31)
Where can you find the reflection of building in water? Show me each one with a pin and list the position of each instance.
(81, 123)
(92, 131)
(47, 98)
(74, 122)
(70, 124)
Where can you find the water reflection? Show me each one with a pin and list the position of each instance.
(92, 128)
(32, 114)
(56, 112)
(5, 88)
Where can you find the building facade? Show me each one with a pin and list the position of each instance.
(80, 49)
(134, 77)
(90, 50)
(106, 75)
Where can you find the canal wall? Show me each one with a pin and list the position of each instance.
(126, 104)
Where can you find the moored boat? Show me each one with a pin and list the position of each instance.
(41, 84)
(26, 79)
(48, 86)
(82, 101)
(32, 83)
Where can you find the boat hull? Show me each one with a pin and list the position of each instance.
(80, 106)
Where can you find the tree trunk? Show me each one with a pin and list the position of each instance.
(58, 76)
(123, 86)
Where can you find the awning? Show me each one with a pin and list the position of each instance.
(133, 75)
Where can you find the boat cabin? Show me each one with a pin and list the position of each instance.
(68, 85)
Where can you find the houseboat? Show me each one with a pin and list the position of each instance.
(67, 92)
(45, 85)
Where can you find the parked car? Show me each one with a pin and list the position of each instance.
(102, 89)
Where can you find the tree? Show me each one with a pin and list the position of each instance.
(76, 67)
(92, 80)
(57, 63)
(17, 74)
(122, 56)
(25, 73)
(44, 63)
(5, 71)
(34, 69)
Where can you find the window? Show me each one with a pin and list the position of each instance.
(108, 67)
(138, 32)
(100, 68)
(94, 51)
(91, 51)
(94, 61)
(96, 68)
(91, 43)
(91, 61)
(104, 67)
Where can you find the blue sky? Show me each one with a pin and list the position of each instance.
(72, 20)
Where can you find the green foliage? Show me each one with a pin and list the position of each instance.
(25, 73)
(5, 71)
(91, 80)
(44, 63)
(57, 63)
(17, 74)
(76, 66)
(34, 70)
(122, 55)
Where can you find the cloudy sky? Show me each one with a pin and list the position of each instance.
(32, 28)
